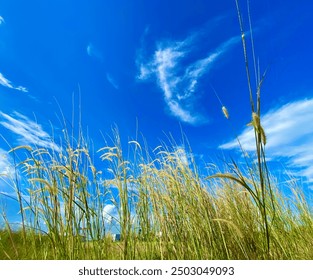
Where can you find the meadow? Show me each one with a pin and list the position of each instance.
(165, 208)
(160, 201)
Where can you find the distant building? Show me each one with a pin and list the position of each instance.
(116, 237)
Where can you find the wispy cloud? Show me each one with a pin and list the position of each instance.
(6, 83)
(1, 20)
(8, 174)
(178, 74)
(28, 131)
(93, 51)
(289, 133)
(112, 81)
(5, 165)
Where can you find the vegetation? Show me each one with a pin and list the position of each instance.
(166, 208)
(228, 215)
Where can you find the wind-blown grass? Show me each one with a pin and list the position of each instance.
(166, 207)
(158, 192)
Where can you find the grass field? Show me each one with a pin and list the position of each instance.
(228, 215)
(163, 204)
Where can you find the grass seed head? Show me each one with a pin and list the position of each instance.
(256, 123)
(225, 112)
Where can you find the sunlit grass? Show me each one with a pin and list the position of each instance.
(161, 202)
(166, 209)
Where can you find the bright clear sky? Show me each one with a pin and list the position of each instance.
(153, 62)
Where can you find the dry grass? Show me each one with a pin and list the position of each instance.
(236, 213)
(200, 217)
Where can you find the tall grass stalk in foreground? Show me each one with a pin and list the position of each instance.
(259, 185)
(164, 205)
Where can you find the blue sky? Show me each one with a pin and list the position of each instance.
(154, 63)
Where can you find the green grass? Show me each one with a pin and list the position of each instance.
(200, 217)
(235, 213)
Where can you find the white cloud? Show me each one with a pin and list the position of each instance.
(109, 213)
(111, 218)
(6, 168)
(7, 171)
(1, 20)
(112, 81)
(29, 132)
(289, 133)
(93, 51)
(6, 83)
(179, 78)
(182, 155)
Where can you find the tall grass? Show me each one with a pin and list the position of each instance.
(154, 192)
(166, 207)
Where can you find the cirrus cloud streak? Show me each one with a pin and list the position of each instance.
(6, 83)
(28, 131)
(177, 72)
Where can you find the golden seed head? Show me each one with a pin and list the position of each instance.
(225, 112)
(256, 119)
(256, 123)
